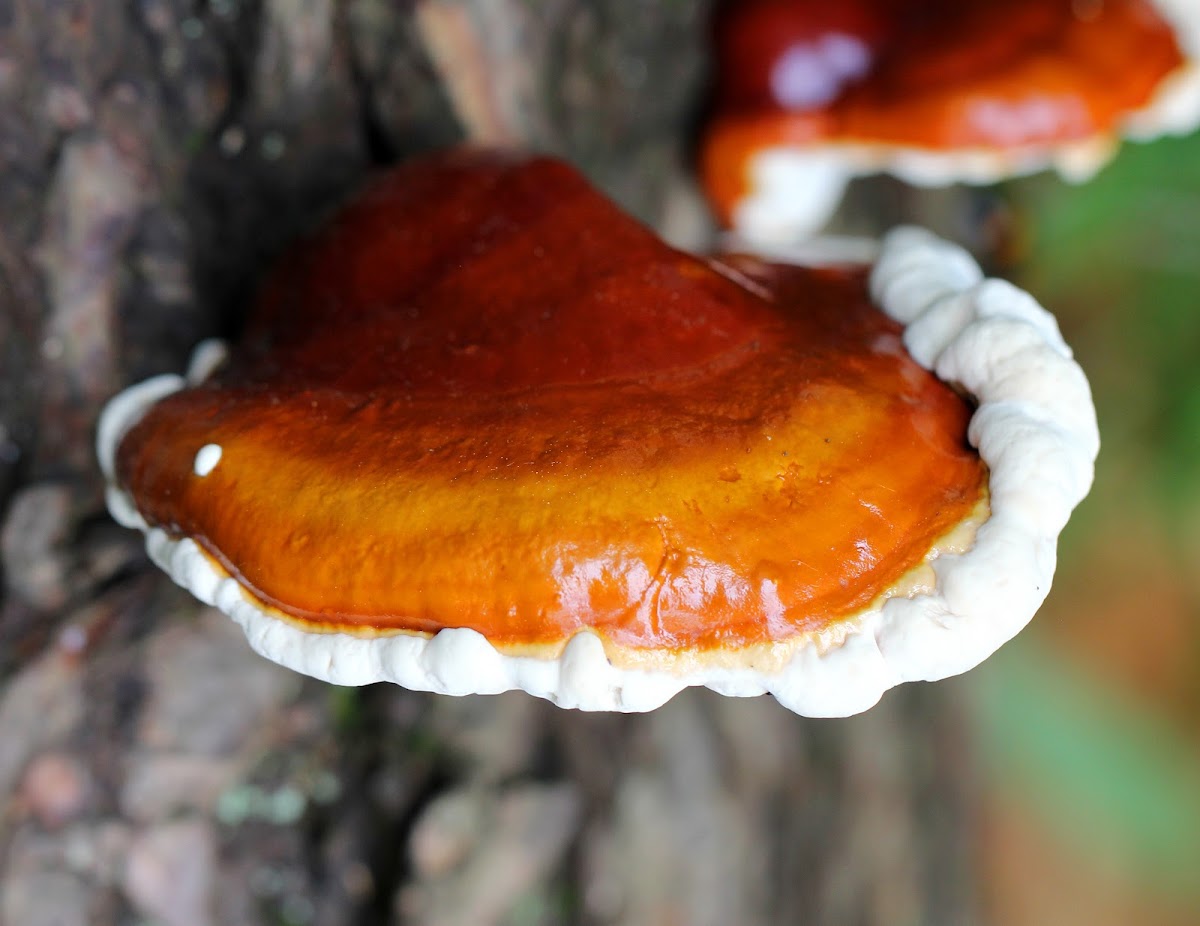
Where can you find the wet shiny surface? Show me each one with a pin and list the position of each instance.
(483, 397)
(931, 74)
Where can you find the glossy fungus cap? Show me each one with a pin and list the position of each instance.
(935, 92)
(483, 432)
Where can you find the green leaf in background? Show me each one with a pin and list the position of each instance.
(1108, 774)
(1118, 259)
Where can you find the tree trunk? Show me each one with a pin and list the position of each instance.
(154, 155)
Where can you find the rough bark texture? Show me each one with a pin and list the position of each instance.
(154, 155)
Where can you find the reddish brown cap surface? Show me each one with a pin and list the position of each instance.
(483, 397)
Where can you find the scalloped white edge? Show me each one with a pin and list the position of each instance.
(794, 191)
(1035, 427)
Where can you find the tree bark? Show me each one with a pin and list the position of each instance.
(154, 156)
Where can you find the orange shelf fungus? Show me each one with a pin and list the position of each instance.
(484, 431)
(812, 94)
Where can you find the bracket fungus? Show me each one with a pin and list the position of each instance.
(485, 432)
(812, 94)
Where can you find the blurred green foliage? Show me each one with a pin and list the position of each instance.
(1109, 776)
(1118, 260)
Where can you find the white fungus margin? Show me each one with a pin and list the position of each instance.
(1035, 427)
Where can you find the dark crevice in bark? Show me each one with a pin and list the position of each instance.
(380, 147)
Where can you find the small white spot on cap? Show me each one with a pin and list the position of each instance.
(207, 458)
